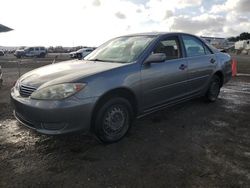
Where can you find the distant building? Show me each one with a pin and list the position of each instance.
(220, 43)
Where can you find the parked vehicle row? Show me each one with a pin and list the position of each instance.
(127, 77)
(41, 52)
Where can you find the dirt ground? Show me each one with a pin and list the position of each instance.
(195, 144)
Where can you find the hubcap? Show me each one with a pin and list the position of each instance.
(114, 119)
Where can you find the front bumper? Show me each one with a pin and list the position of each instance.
(54, 117)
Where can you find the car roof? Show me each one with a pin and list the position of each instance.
(159, 34)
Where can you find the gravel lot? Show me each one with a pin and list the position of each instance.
(195, 144)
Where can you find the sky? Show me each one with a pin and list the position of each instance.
(92, 22)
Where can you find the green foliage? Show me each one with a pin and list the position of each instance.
(242, 36)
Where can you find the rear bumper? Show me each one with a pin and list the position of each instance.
(54, 117)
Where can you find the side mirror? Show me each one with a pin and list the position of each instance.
(156, 58)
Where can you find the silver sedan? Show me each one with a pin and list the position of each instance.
(127, 77)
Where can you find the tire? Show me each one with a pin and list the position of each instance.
(79, 56)
(113, 120)
(42, 55)
(214, 89)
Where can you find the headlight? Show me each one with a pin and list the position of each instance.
(17, 85)
(15, 88)
(59, 91)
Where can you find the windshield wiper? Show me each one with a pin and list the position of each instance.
(96, 60)
(109, 61)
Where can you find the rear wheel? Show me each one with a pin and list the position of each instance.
(42, 55)
(214, 89)
(113, 120)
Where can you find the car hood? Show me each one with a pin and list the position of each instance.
(64, 72)
(18, 51)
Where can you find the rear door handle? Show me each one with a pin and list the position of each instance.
(183, 67)
(212, 60)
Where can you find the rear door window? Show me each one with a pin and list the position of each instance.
(207, 51)
(193, 46)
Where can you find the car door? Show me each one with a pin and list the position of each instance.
(201, 63)
(166, 81)
(36, 51)
(30, 52)
(27, 52)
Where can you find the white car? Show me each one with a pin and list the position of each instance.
(81, 53)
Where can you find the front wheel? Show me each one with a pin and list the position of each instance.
(113, 120)
(214, 89)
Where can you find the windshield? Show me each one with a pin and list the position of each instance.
(121, 50)
(26, 48)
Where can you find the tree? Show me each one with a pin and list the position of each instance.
(232, 39)
(242, 36)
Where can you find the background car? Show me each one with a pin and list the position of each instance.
(37, 51)
(1, 53)
(81, 53)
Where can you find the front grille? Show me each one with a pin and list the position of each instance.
(26, 91)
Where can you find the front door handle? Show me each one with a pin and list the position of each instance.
(212, 60)
(183, 67)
